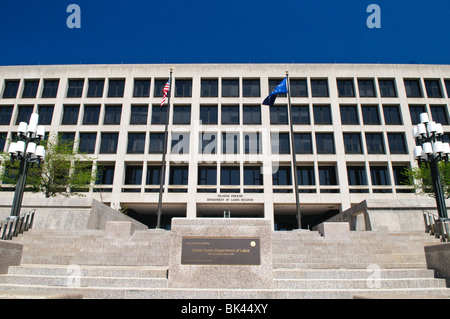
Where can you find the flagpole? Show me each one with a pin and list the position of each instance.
(294, 158)
(163, 164)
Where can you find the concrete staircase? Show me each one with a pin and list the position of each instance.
(306, 265)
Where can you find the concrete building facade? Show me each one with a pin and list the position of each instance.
(227, 152)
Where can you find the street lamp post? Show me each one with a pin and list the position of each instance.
(26, 150)
(431, 150)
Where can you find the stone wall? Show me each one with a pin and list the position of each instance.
(10, 255)
(438, 258)
(69, 213)
(387, 215)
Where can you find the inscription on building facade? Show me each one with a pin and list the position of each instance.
(220, 251)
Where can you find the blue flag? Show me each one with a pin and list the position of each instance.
(281, 88)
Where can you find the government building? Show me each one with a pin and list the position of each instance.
(227, 153)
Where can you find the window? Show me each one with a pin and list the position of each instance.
(366, 88)
(273, 83)
(230, 143)
(87, 143)
(209, 88)
(229, 175)
(183, 88)
(252, 114)
(280, 143)
(278, 114)
(319, 88)
(109, 143)
(70, 114)
(207, 175)
(322, 114)
(298, 88)
(105, 174)
(133, 175)
(30, 90)
(116, 88)
(3, 141)
(447, 87)
(153, 175)
(397, 143)
(91, 114)
(208, 114)
(370, 114)
(11, 87)
(325, 143)
(180, 143)
(50, 88)
(136, 143)
(95, 88)
(5, 114)
(327, 175)
(230, 87)
(305, 176)
(156, 143)
(252, 143)
(230, 114)
(349, 115)
(356, 175)
(178, 175)
(24, 114)
(68, 137)
(159, 115)
(400, 178)
(253, 176)
(182, 114)
(345, 88)
(112, 114)
(412, 88)
(433, 88)
(375, 143)
(141, 88)
(302, 143)
(300, 114)
(75, 88)
(439, 113)
(415, 111)
(380, 175)
(159, 86)
(45, 114)
(251, 88)
(139, 114)
(208, 143)
(392, 115)
(387, 88)
(282, 176)
(352, 143)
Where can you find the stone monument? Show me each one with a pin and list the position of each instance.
(221, 253)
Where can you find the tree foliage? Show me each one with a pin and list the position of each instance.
(420, 178)
(65, 171)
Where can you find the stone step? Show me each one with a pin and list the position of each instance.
(347, 265)
(331, 258)
(391, 283)
(89, 271)
(373, 271)
(84, 281)
(173, 293)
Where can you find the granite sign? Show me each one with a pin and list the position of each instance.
(220, 251)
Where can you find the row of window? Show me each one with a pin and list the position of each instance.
(229, 88)
(230, 143)
(230, 114)
(231, 175)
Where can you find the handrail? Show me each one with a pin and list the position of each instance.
(16, 225)
(439, 227)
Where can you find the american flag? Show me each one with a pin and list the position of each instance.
(165, 91)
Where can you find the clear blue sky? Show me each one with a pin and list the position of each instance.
(224, 31)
